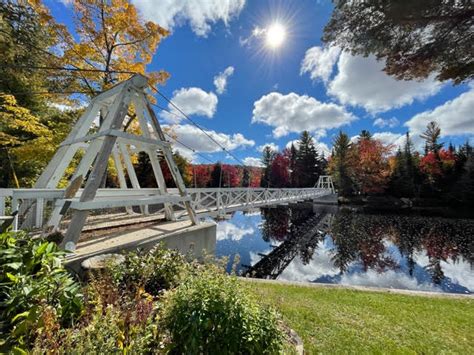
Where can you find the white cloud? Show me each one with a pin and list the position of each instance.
(200, 14)
(200, 142)
(320, 146)
(227, 230)
(295, 113)
(252, 161)
(388, 122)
(220, 80)
(192, 101)
(319, 62)
(455, 117)
(390, 138)
(387, 138)
(272, 146)
(360, 81)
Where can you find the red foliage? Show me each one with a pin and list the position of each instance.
(369, 163)
(430, 164)
(230, 176)
(280, 176)
(201, 175)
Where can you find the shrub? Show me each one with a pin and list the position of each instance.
(155, 271)
(32, 279)
(210, 313)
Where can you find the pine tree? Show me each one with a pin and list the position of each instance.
(293, 152)
(431, 135)
(216, 175)
(246, 177)
(267, 159)
(307, 162)
(339, 165)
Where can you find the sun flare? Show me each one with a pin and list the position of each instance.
(275, 35)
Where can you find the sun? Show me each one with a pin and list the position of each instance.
(275, 35)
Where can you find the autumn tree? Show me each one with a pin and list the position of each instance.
(112, 41)
(279, 176)
(201, 175)
(369, 165)
(414, 38)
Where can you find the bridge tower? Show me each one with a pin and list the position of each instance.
(111, 140)
(325, 182)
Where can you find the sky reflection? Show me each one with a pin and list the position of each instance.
(404, 252)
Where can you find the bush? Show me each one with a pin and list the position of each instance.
(32, 279)
(209, 313)
(154, 271)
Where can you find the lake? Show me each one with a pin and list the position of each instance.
(326, 244)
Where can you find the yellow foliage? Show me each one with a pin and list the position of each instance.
(112, 37)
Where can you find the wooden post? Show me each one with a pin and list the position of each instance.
(155, 164)
(171, 164)
(113, 120)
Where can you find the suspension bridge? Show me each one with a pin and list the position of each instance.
(84, 206)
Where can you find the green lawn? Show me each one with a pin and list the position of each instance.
(331, 320)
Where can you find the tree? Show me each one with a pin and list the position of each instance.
(279, 171)
(216, 175)
(267, 158)
(339, 166)
(415, 38)
(183, 166)
(431, 136)
(113, 38)
(364, 134)
(201, 175)
(246, 177)
(307, 162)
(293, 154)
(369, 165)
(402, 182)
(230, 176)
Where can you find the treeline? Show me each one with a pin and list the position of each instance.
(300, 165)
(368, 167)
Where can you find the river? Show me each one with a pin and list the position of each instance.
(342, 246)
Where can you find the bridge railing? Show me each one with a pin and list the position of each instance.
(205, 201)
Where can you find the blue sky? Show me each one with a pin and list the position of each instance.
(268, 95)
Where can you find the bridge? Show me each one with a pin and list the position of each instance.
(83, 201)
(206, 202)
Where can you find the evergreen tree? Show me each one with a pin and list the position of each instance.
(339, 166)
(246, 177)
(431, 135)
(402, 182)
(307, 162)
(293, 152)
(267, 159)
(216, 175)
(364, 134)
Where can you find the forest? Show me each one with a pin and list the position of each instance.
(42, 93)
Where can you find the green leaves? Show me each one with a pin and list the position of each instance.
(31, 278)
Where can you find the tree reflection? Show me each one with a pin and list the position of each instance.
(363, 238)
(369, 240)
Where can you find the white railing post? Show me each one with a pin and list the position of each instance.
(15, 206)
(39, 212)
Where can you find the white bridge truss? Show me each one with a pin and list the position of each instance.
(206, 202)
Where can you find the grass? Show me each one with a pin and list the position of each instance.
(331, 320)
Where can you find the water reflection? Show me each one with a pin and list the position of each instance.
(345, 247)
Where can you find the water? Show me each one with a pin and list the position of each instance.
(350, 248)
